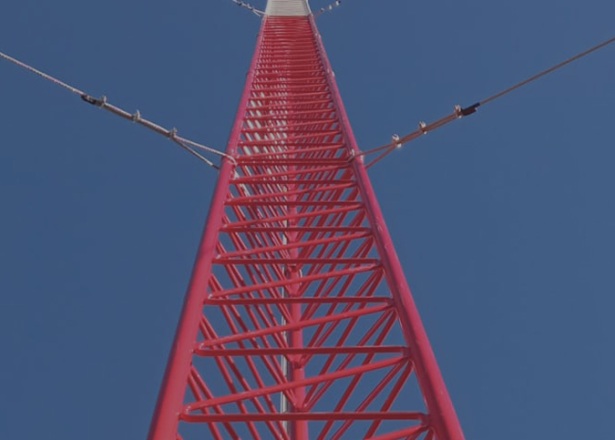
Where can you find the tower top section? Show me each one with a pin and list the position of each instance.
(288, 8)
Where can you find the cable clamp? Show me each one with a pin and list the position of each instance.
(395, 140)
(94, 101)
(172, 134)
(136, 117)
(466, 111)
(423, 127)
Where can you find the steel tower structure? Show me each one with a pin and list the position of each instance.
(298, 322)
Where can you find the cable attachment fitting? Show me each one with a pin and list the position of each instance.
(136, 117)
(94, 101)
(423, 127)
(396, 141)
(172, 134)
(466, 111)
(329, 8)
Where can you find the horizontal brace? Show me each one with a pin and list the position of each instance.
(408, 433)
(287, 71)
(303, 91)
(275, 196)
(313, 86)
(293, 229)
(267, 74)
(276, 91)
(283, 96)
(315, 203)
(293, 62)
(314, 184)
(303, 55)
(302, 245)
(270, 76)
(283, 34)
(323, 104)
(304, 85)
(289, 173)
(341, 163)
(299, 300)
(308, 125)
(289, 132)
(295, 114)
(312, 351)
(323, 117)
(286, 99)
(277, 36)
(303, 133)
(320, 117)
(301, 261)
(251, 335)
(257, 185)
(298, 216)
(304, 179)
(260, 250)
(304, 60)
(334, 149)
(284, 125)
(271, 80)
(282, 283)
(251, 394)
(280, 148)
(303, 146)
(280, 49)
(294, 416)
(282, 41)
(272, 44)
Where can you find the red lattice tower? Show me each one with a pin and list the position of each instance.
(298, 322)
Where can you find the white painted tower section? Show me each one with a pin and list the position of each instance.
(288, 8)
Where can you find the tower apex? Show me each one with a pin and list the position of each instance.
(288, 8)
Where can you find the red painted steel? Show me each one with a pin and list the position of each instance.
(298, 323)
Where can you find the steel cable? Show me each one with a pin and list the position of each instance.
(460, 112)
(102, 103)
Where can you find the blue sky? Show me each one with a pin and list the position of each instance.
(504, 221)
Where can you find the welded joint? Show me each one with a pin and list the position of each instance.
(356, 155)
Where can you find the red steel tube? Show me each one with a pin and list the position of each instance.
(164, 424)
(440, 407)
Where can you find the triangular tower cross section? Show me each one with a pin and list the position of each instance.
(298, 323)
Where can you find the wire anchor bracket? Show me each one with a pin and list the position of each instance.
(172, 134)
(423, 128)
(328, 8)
(249, 7)
(466, 111)
(103, 103)
(461, 112)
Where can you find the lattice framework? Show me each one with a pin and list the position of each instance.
(298, 322)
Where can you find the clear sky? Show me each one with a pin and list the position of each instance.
(504, 222)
